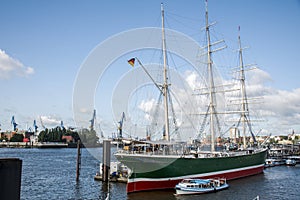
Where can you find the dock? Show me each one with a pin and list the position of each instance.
(98, 177)
(118, 173)
(34, 145)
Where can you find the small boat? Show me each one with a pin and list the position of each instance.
(269, 163)
(199, 186)
(290, 162)
(279, 161)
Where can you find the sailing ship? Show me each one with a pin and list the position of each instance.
(159, 165)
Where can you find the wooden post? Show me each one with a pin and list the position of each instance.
(78, 160)
(10, 178)
(106, 160)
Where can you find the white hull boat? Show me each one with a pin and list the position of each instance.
(199, 186)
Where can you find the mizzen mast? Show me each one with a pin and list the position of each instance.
(243, 89)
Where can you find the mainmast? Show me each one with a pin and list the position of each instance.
(165, 84)
(211, 82)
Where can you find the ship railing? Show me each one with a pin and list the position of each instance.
(157, 152)
(200, 154)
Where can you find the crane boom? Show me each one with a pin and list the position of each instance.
(121, 124)
(93, 120)
(62, 124)
(13, 122)
(35, 126)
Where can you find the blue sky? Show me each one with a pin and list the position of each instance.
(44, 43)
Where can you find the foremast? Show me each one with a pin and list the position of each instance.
(164, 87)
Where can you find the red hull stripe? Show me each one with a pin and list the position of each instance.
(158, 184)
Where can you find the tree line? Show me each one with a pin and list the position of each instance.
(86, 136)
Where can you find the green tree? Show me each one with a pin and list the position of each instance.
(3, 137)
(43, 136)
(17, 138)
(284, 137)
(88, 137)
(74, 134)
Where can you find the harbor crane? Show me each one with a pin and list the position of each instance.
(35, 126)
(93, 120)
(93, 124)
(120, 127)
(62, 124)
(13, 122)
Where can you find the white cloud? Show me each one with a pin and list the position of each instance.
(10, 67)
(147, 106)
(192, 78)
(256, 81)
(50, 121)
(280, 108)
(258, 77)
(285, 105)
(84, 110)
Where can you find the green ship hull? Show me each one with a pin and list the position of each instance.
(151, 172)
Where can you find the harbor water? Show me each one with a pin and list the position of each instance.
(51, 174)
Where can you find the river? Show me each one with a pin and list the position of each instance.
(51, 174)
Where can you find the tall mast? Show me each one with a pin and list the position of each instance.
(243, 90)
(165, 84)
(211, 81)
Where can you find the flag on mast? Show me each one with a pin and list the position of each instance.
(131, 61)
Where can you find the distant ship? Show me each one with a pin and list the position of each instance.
(157, 165)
